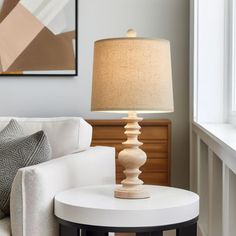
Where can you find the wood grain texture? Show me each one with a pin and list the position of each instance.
(156, 138)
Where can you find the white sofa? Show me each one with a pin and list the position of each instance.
(74, 164)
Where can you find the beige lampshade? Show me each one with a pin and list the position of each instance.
(132, 74)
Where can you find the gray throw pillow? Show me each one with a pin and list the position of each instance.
(16, 151)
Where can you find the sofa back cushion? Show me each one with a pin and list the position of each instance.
(66, 134)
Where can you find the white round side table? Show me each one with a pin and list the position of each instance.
(95, 211)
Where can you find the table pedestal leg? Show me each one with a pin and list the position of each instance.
(68, 231)
(92, 233)
(187, 231)
(157, 233)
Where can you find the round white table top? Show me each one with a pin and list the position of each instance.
(96, 206)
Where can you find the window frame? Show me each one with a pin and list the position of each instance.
(232, 63)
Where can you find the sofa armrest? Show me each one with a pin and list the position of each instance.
(35, 187)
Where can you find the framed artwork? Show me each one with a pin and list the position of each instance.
(38, 37)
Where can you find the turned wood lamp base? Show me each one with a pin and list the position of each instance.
(136, 193)
(132, 158)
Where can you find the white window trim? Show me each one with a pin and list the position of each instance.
(232, 63)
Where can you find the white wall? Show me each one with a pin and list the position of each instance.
(71, 96)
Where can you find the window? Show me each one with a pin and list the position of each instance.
(214, 62)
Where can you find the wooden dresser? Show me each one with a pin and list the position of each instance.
(156, 137)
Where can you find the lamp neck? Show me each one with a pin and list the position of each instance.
(132, 114)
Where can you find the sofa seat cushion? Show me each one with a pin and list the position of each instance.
(66, 134)
(5, 227)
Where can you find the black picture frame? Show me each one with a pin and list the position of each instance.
(76, 56)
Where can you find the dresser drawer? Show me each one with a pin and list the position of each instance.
(154, 133)
(116, 132)
(108, 132)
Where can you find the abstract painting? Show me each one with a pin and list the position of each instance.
(38, 37)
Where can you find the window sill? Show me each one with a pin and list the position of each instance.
(223, 134)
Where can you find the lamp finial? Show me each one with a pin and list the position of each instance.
(131, 33)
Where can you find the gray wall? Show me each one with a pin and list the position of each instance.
(71, 96)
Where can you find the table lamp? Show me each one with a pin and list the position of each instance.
(132, 75)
